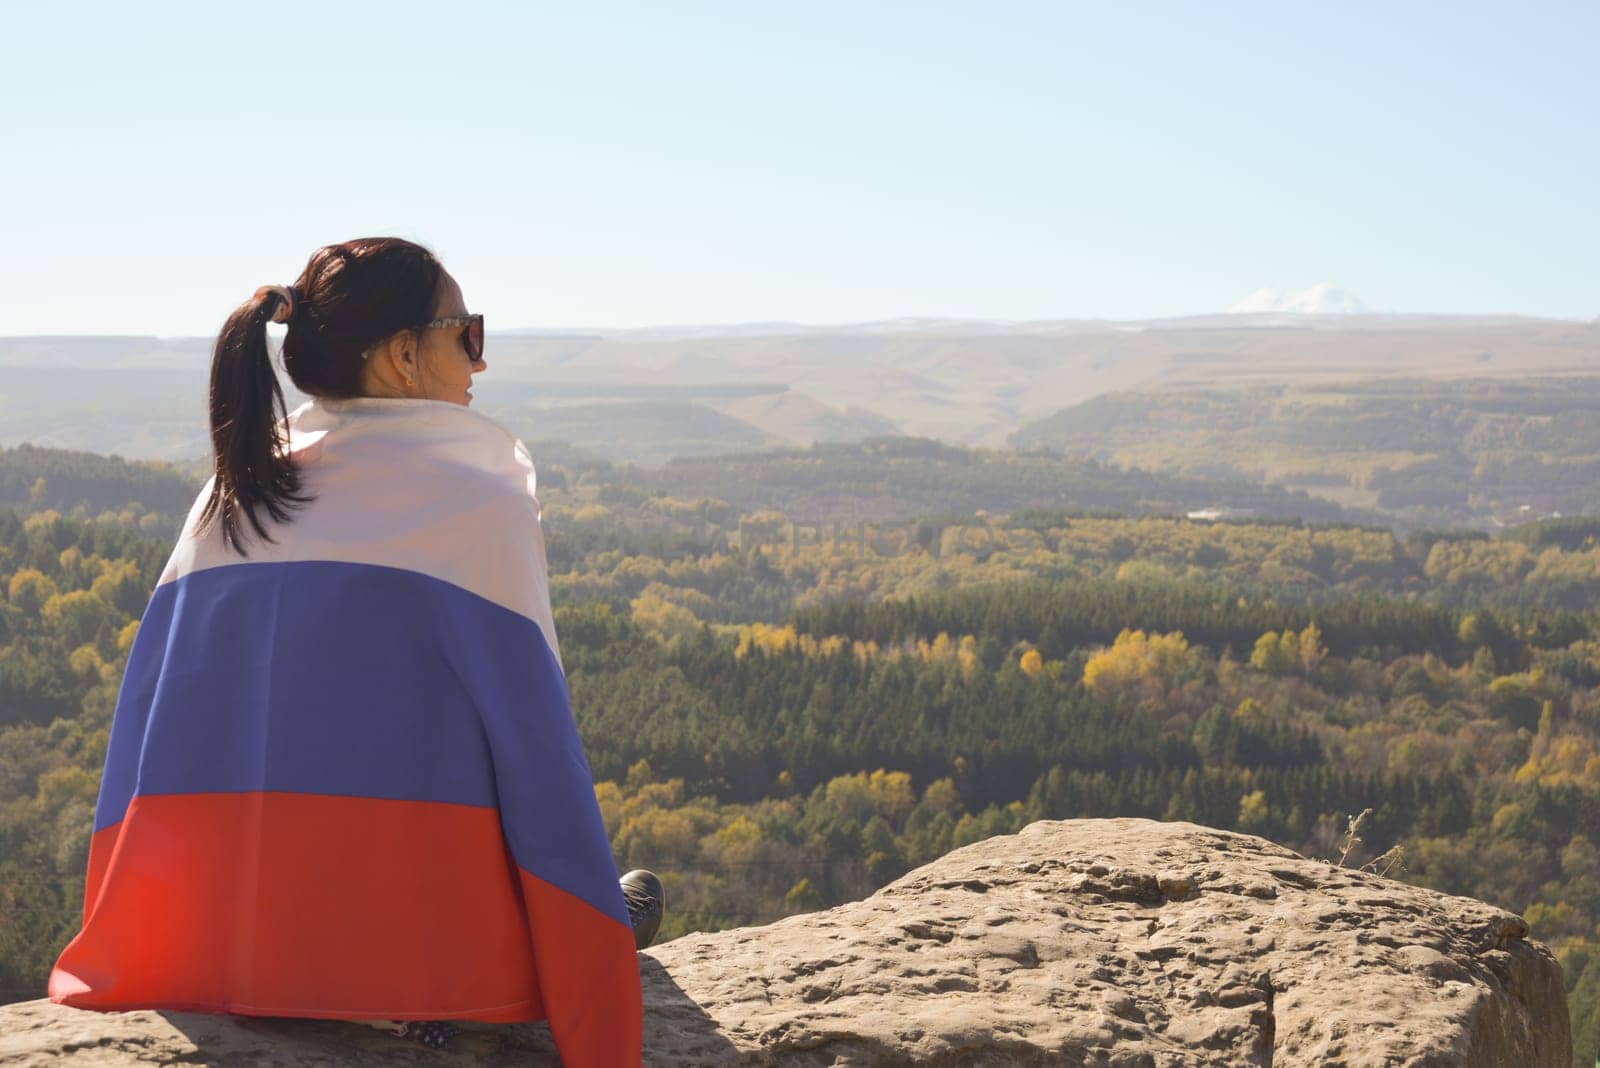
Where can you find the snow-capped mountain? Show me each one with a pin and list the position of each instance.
(1324, 298)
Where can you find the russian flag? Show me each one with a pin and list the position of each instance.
(343, 778)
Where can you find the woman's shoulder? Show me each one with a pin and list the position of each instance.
(445, 494)
(413, 433)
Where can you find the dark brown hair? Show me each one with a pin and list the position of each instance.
(350, 296)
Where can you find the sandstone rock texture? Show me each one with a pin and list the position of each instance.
(1075, 942)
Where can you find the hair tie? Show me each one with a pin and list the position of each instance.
(285, 309)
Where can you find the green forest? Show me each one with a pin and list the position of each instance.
(789, 697)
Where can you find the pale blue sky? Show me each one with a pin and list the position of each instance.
(630, 164)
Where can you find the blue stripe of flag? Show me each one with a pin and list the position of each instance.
(327, 677)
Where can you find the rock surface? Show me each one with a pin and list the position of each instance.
(1094, 942)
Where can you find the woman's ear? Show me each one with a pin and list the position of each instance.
(403, 354)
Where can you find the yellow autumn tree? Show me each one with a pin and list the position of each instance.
(767, 638)
(1560, 755)
(1136, 657)
(1275, 653)
(1254, 813)
(30, 588)
(76, 616)
(661, 619)
(1310, 650)
(1032, 663)
(861, 795)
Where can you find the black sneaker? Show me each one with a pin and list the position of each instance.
(642, 893)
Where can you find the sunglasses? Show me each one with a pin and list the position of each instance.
(471, 337)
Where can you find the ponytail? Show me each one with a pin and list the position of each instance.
(349, 297)
(252, 466)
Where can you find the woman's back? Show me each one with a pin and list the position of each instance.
(343, 779)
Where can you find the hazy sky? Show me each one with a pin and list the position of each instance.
(618, 165)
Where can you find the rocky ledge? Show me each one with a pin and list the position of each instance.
(1093, 942)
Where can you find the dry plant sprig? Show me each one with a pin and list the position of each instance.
(1389, 860)
(1352, 835)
